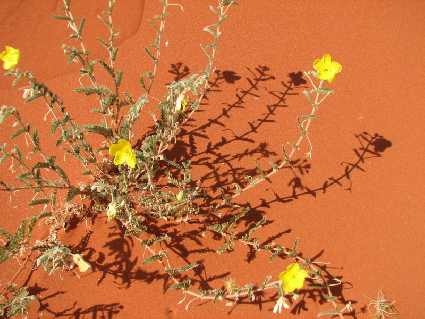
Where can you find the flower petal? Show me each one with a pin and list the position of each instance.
(326, 69)
(119, 146)
(336, 67)
(317, 64)
(292, 278)
(120, 158)
(327, 59)
(83, 265)
(123, 153)
(10, 57)
(131, 159)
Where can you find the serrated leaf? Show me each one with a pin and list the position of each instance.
(41, 165)
(61, 173)
(4, 157)
(73, 191)
(102, 42)
(106, 67)
(19, 132)
(325, 90)
(36, 140)
(17, 152)
(182, 269)
(4, 254)
(89, 90)
(59, 141)
(114, 53)
(86, 172)
(183, 285)
(118, 77)
(61, 18)
(5, 112)
(24, 176)
(41, 201)
(153, 258)
(5, 234)
(107, 132)
(151, 55)
(55, 124)
(81, 27)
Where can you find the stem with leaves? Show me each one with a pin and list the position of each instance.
(304, 126)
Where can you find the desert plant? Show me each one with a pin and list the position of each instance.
(381, 307)
(136, 185)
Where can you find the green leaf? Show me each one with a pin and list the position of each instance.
(154, 258)
(183, 285)
(41, 201)
(72, 193)
(5, 234)
(106, 67)
(41, 165)
(4, 157)
(89, 90)
(107, 132)
(55, 124)
(20, 132)
(151, 55)
(61, 173)
(174, 271)
(87, 172)
(118, 77)
(36, 140)
(4, 254)
(325, 90)
(102, 42)
(5, 112)
(24, 176)
(17, 152)
(81, 27)
(114, 52)
(62, 18)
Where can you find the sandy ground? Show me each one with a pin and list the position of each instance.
(358, 203)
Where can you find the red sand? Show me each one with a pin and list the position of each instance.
(370, 226)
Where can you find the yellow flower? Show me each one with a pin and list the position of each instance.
(10, 57)
(292, 278)
(123, 153)
(326, 68)
(181, 102)
(83, 265)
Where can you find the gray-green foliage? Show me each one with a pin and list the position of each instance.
(14, 301)
(55, 258)
(14, 241)
(139, 199)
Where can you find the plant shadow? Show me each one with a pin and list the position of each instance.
(98, 311)
(189, 146)
(117, 257)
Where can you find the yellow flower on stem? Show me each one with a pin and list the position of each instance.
(123, 153)
(292, 278)
(10, 57)
(326, 69)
